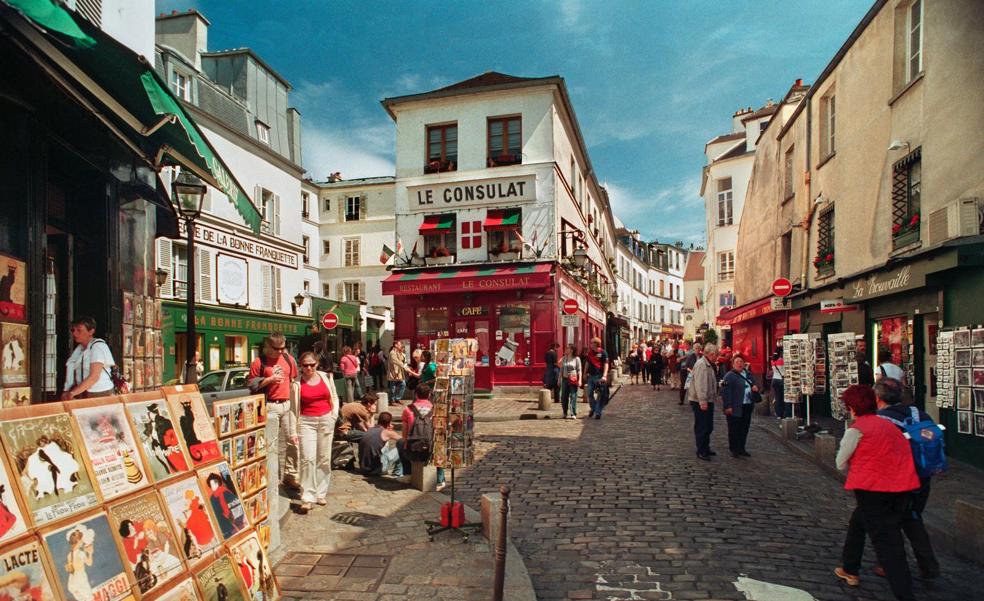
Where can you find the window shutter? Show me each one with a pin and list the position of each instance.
(362, 292)
(207, 201)
(165, 261)
(340, 292)
(276, 288)
(363, 206)
(267, 276)
(206, 291)
(342, 203)
(276, 214)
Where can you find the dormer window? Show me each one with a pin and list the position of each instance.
(180, 85)
(263, 132)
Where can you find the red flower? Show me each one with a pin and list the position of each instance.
(896, 228)
(829, 257)
(816, 261)
(914, 221)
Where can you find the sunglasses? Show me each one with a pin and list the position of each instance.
(309, 365)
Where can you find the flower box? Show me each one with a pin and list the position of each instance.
(512, 255)
(447, 260)
(905, 238)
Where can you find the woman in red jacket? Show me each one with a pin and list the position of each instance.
(881, 474)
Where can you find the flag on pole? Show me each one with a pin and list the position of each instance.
(385, 256)
(399, 245)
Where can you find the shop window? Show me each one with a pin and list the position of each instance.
(504, 141)
(432, 322)
(471, 234)
(906, 199)
(512, 347)
(442, 148)
(824, 261)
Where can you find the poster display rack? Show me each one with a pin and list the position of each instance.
(842, 351)
(960, 377)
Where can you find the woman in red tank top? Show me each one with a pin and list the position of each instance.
(313, 399)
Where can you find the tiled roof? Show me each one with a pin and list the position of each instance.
(737, 151)
(489, 78)
(762, 112)
(727, 138)
(695, 271)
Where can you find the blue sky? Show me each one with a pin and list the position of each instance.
(651, 82)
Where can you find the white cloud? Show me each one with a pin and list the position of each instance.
(667, 214)
(328, 150)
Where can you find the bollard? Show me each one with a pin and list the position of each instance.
(499, 582)
(545, 399)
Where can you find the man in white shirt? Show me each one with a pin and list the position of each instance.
(887, 369)
(87, 369)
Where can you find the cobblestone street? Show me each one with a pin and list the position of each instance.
(621, 509)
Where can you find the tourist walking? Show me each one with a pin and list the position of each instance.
(656, 367)
(315, 409)
(880, 471)
(551, 372)
(634, 361)
(88, 367)
(396, 372)
(570, 377)
(272, 374)
(779, 384)
(737, 404)
(702, 394)
(596, 378)
(428, 368)
(351, 372)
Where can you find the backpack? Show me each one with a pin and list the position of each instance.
(926, 440)
(120, 385)
(422, 432)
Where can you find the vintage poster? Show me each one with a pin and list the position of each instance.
(49, 465)
(223, 418)
(263, 532)
(86, 561)
(158, 436)
(255, 569)
(149, 547)
(127, 309)
(183, 591)
(13, 289)
(12, 522)
(227, 507)
(22, 574)
(190, 519)
(195, 425)
(138, 310)
(218, 582)
(113, 455)
(14, 339)
(16, 397)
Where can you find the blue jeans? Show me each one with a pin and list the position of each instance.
(568, 400)
(396, 389)
(597, 401)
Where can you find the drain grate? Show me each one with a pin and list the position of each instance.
(355, 518)
(305, 573)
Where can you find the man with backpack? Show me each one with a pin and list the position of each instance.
(926, 441)
(272, 374)
(418, 432)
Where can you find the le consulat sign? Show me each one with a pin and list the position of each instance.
(472, 193)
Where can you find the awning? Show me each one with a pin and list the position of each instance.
(468, 279)
(437, 224)
(502, 219)
(137, 104)
(745, 312)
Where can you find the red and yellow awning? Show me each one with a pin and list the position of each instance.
(437, 224)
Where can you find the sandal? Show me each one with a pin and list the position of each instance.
(322, 501)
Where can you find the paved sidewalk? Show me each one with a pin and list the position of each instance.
(370, 543)
(499, 409)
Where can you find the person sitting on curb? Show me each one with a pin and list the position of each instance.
(354, 420)
(420, 407)
(379, 448)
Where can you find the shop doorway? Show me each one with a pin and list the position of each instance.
(926, 352)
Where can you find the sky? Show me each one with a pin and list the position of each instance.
(651, 81)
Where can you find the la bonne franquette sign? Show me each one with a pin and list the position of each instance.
(472, 193)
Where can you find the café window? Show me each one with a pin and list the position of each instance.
(503, 227)
(236, 351)
(505, 136)
(432, 321)
(439, 237)
(513, 326)
(442, 148)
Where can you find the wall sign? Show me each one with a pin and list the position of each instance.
(244, 246)
(233, 279)
(472, 311)
(896, 280)
(472, 193)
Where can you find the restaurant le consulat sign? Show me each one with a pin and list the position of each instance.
(472, 193)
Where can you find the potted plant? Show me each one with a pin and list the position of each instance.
(907, 231)
(824, 261)
(439, 255)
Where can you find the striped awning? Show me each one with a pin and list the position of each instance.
(437, 224)
(469, 279)
(502, 219)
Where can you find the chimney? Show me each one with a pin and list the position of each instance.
(186, 32)
(799, 83)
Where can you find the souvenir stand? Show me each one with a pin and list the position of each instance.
(842, 352)
(806, 365)
(125, 498)
(960, 377)
(453, 419)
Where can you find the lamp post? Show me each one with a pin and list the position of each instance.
(298, 301)
(188, 193)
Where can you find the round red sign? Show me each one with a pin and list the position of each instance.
(329, 321)
(782, 287)
(570, 306)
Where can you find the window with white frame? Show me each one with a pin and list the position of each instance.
(306, 243)
(327, 205)
(724, 199)
(352, 252)
(263, 132)
(270, 208)
(914, 40)
(353, 208)
(272, 279)
(828, 121)
(305, 204)
(354, 291)
(181, 85)
(726, 265)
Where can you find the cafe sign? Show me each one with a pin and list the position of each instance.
(875, 285)
(473, 193)
(244, 246)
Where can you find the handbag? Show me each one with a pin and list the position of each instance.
(755, 396)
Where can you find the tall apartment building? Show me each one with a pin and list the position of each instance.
(694, 308)
(650, 286)
(247, 284)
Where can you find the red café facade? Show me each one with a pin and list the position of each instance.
(513, 310)
(756, 328)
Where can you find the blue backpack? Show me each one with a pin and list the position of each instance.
(926, 440)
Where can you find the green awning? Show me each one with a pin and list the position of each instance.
(134, 94)
(502, 219)
(437, 224)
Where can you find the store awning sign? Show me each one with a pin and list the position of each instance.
(472, 193)
(468, 279)
(880, 284)
(836, 305)
(502, 219)
(437, 224)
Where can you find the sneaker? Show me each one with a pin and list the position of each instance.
(850, 579)
(573, 417)
(440, 486)
(597, 416)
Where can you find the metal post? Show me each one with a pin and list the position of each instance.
(191, 366)
(499, 581)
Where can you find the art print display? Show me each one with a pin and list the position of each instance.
(842, 354)
(182, 591)
(263, 533)
(979, 400)
(227, 507)
(978, 424)
(22, 574)
(944, 370)
(223, 417)
(13, 289)
(961, 338)
(14, 351)
(255, 569)
(12, 522)
(86, 561)
(963, 377)
(48, 462)
(138, 310)
(965, 422)
(195, 425)
(218, 581)
(127, 310)
(964, 398)
(149, 547)
(962, 358)
(158, 436)
(190, 519)
(113, 455)
(977, 357)
(19, 396)
(977, 337)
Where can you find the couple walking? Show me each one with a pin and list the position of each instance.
(737, 392)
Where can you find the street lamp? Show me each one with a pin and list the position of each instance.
(188, 193)
(298, 301)
(580, 257)
(160, 276)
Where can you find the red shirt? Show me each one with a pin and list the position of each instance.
(315, 399)
(265, 367)
(423, 406)
(882, 461)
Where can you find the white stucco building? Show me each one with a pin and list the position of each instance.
(650, 286)
(695, 312)
(723, 186)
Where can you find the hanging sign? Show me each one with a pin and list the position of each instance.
(836, 305)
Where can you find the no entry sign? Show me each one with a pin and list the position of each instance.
(329, 321)
(570, 306)
(782, 287)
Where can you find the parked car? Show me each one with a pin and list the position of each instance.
(224, 384)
